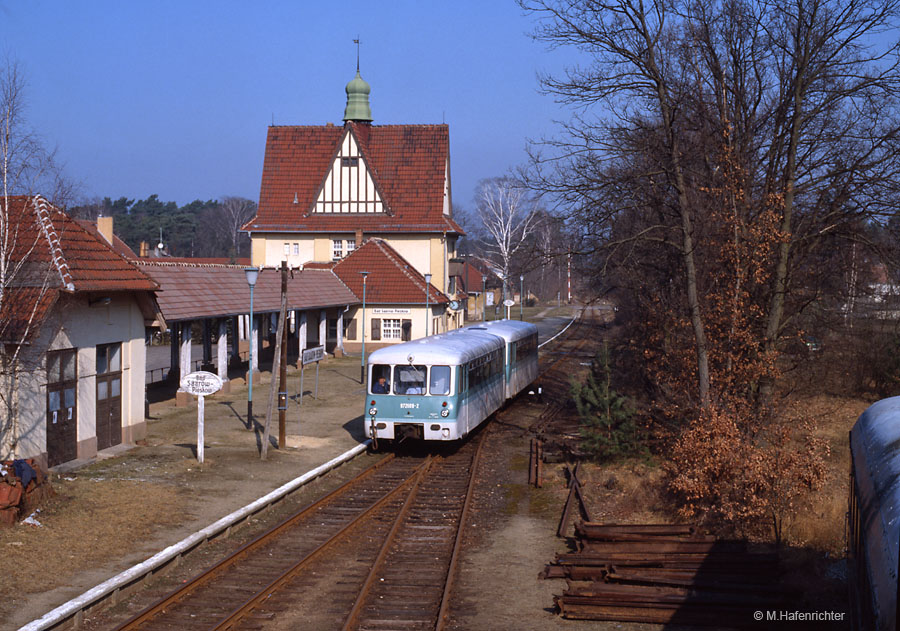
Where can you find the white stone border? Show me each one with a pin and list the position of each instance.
(560, 333)
(88, 598)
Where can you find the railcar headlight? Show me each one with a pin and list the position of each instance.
(373, 411)
(445, 412)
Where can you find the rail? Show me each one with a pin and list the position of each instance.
(73, 610)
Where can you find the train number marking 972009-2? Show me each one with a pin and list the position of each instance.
(410, 406)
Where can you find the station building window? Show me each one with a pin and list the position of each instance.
(391, 329)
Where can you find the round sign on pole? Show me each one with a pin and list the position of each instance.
(201, 383)
(509, 302)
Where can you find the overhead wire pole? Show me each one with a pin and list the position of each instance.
(282, 376)
(276, 367)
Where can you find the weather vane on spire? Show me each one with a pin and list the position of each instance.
(356, 41)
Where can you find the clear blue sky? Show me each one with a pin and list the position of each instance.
(174, 97)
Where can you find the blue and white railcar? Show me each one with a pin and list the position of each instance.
(520, 353)
(874, 517)
(437, 388)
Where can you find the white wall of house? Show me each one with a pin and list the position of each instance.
(74, 324)
(439, 323)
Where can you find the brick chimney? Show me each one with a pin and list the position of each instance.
(359, 237)
(105, 227)
(145, 250)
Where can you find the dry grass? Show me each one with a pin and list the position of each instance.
(79, 527)
(820, 519)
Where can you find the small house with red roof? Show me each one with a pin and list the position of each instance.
(73, 313)
(396, 307)
(327, 189)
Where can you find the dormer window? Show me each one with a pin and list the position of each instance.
(350, 162)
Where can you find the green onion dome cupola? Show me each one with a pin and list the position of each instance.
(358, 100)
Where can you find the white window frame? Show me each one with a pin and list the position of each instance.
(296, 249)
(351, 245)
(337, 249)
(287, 249)
(392, 331)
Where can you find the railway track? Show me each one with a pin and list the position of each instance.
(379, 551)
(554, 375)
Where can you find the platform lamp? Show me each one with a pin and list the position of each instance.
(427, 313)
(521, 294)
(483, 298)
(252, 274)
(362, 365)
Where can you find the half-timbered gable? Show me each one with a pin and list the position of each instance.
(327, 188)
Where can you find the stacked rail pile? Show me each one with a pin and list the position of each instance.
(663, 574)
(23, 487)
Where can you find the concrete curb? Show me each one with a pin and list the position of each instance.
(75, 607)
(572, 321)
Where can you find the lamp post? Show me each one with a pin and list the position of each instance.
(483, 298)
(521, 294)
(252, 274)
(362, 365)
(427, 313)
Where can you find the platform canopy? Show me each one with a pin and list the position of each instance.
(192, 291)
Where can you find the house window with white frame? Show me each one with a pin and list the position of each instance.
(337, 252)
(296, 249)
(390, 329)
(351, 245)
(287, 250)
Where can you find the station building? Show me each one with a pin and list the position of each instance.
(329, 191)
(72, 323)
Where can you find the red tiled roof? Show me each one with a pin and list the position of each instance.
(191, 291)
(118, 245)
(23, 310)
(49, 242)
(391, 279)
(408, 164)
(470, 277)
(244, 260)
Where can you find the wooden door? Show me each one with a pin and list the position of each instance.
(109, 395)
(62, 411)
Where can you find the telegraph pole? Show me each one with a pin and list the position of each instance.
(282, 376)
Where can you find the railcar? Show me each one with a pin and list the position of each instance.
(874, 516)
(441, 387)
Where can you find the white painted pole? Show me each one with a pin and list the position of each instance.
(222, 350)
(200, 410)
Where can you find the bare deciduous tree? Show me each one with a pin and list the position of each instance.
(25, 278)
(508, 215)
(232, 213)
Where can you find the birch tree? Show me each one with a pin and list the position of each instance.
(230, 216)
(25, 167)
(509, 216)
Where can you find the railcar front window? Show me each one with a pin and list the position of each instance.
(409, 379)
(381, 379)
(440, 380)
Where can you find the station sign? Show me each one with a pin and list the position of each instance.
(314, 354)
(201, 383)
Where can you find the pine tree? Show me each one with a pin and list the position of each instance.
(608, 430)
